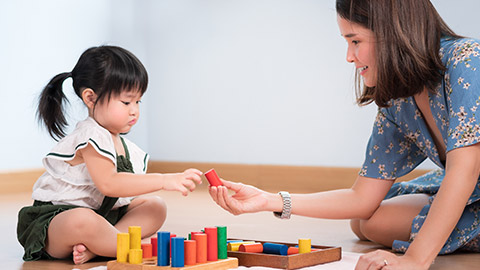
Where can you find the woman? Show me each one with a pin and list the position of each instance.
(425, 80)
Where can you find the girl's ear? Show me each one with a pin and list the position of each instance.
(89, 97)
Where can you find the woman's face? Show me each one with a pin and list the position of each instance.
(361, 49)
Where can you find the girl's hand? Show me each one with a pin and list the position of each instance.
(381, 259)
(183, 182)
(247, 199)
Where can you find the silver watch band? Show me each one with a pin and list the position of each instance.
(287, 206)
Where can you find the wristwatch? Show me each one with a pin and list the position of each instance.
(287, 206)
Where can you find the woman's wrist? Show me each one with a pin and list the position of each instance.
(274, 202)
(422, 261)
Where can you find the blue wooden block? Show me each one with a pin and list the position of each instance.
(163, 248)
(178, 256)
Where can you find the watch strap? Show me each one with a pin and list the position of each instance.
(287, 206)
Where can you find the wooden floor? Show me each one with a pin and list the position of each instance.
(196, 211)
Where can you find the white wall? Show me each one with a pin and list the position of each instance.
(39, 40)
(252, 82)
(259, 82)
(241, 81)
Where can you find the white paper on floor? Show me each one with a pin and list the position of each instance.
(348, 261)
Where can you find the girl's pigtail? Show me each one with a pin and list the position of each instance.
(50, 110)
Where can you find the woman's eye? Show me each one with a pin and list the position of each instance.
(355, 42)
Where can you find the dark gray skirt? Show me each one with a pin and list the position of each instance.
(33, 222)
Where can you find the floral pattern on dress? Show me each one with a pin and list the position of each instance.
(401, 140)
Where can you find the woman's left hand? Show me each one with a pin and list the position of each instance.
(381, 259)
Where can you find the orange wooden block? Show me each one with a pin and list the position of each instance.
(147, 251)
(234, 246)
(252, 248)
(201, 239)
(190, 252)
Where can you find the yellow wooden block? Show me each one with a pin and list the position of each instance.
(304, 245)
(135, 256)
(135, 237)
(123, 246)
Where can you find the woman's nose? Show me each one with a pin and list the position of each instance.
(350, 55)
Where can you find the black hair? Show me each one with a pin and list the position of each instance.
(107, 70)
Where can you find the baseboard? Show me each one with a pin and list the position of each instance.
(18, 181)
(302, 179)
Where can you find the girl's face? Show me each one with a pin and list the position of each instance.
(361, 49)
(120, 113)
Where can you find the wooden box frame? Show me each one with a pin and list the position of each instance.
(325, 254)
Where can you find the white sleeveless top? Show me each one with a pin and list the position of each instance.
(63, 183)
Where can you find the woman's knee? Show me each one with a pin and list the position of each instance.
(356, 229)
(369, 229)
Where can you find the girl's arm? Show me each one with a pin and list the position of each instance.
(461, 175)
(360, 201)
(114, 184)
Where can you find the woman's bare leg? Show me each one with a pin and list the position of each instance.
(85, 234)
(392, 220)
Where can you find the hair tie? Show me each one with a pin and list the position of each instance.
(69, 74)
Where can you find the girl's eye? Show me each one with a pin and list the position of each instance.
(125, 102)
(139, 101)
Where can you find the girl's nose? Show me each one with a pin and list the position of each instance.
(134, 110)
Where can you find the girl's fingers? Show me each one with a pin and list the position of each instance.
(194, 177)
(195, 171)
(190, 185)
(183, 190)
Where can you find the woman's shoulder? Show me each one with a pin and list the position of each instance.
(461, 49)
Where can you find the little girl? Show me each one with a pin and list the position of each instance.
(88, 193)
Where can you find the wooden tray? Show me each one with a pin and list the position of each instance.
(323, 255)
(151, 264)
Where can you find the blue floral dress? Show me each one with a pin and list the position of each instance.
(401, 140)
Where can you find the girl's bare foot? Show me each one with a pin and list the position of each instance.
(81, 254)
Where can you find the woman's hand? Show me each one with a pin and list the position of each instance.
(381, 259)
(247, 199)
(182, 182)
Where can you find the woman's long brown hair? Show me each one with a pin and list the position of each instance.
(408, 34)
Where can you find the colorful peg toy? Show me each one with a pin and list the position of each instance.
(209, 249)
(204, 251)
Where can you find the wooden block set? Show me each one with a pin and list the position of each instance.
(206, 249)
(210, 249)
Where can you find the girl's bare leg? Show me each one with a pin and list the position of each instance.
(85, 234)
(149, 212)
(392, 220)
(81, 232)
